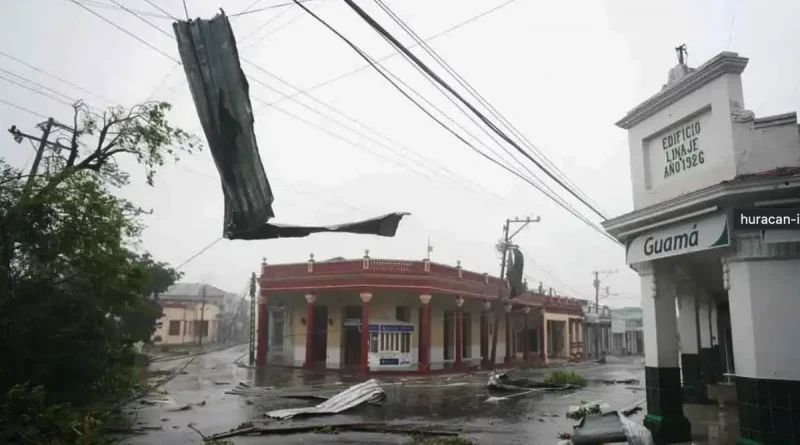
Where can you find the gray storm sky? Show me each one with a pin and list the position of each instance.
(562, 72)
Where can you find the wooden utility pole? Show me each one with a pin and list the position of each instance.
(253, 319)
(505, 244)
(202, 316)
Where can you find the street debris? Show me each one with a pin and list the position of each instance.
(249, 429)
(611, 427)
(369, 391)
(500, 382)
(621, 382)
(586, 409)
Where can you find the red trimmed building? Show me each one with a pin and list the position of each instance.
(421, 317)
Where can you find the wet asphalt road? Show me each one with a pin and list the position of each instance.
(444, 401)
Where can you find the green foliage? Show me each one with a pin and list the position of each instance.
(27, 417)
(585, 411)
(564, 378)
(74, 297)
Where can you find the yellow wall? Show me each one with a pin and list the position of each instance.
(186, 315)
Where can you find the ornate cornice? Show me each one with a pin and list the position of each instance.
(721, 64)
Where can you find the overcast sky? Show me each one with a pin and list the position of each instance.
(562, 72)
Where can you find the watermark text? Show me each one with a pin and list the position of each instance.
(767, 219)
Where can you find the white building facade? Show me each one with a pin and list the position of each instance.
(596, 330)
(627, 331)
(696, 155)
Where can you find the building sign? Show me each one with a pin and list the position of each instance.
(686, 237)
(679, 151)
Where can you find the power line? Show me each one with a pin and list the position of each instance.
(191, 258)
(19, 107)
(144, 42)
(264, 25)
(73, 85)
(552, 194)
(357, 122)
(107, 6)
(162, 82)
(492, 110)
(472, 118)
(37, 84)
(382, 31)
(148, 22)
(170, 16)
(35, 91)
(250, 10)
(186, 9)
(274, 31)
(461, 138)
(395, 53)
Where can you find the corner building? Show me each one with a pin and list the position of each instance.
(696, 154)
(376, 316)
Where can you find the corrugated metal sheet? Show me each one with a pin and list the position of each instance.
(222, 98)
(366, 392)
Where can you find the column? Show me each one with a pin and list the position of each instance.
(526, 334)
(310, 299)
(567, 338)
(263, 330)
(425, 334)
(762, 284)
(459, 325)
(509, 345)
(485, 333)
(708, 361)
(665, 418)
(365, 298)
(716, 350)
(693, 388)
(543, 337)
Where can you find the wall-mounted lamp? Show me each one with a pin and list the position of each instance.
(330, 322)
(303, 321)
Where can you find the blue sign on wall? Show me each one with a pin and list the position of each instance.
(390, 361)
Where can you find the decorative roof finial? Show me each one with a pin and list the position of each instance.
(311, 257)
(264, 260)
(682, 53)
(366, 253)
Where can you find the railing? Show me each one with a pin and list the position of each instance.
(380, 266)
(368, 265)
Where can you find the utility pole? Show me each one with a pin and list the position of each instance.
(505, 244)
(202, 316)
(597, 280)
(253, 319)
(430, 249)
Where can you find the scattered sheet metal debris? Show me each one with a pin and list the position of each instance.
(221, 96)
(611, 427)
(366, 392)
(249, 429)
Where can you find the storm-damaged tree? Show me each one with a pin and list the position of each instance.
(73, 294)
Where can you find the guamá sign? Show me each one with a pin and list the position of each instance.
(693, 236)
